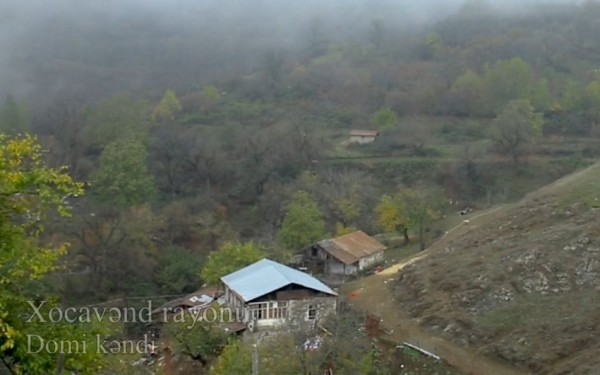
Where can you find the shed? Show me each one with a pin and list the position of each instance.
(348, 254)
(358, 136)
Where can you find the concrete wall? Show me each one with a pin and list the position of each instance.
(325, 307)
(370, 261)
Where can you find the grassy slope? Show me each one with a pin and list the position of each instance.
(525, 287)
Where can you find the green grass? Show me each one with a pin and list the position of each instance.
(584, 188)
(396, 254)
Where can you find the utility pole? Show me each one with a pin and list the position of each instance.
(168, 361)
(60, 363)
(254, 360)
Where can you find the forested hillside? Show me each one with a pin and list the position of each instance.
(199, 125)
(188, 138)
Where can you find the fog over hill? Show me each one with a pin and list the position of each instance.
(68, 45)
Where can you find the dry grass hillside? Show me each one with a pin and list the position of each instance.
(524, 288)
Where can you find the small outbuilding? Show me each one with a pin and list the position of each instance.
(345, 255)
(361, 137)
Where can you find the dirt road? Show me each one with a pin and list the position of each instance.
(372, 295)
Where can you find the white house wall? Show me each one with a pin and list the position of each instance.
(370, 261)
(361, 139)
(263, 323)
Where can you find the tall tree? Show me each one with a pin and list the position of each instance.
(122, 178)
(178, 270)
(517, 127)
(377, 33)
(424, 204)
(410, 208)
(29, 192)
(392, 215)
(385, 119)
(591, 101)
(230, 257)
(508, 80)
(168, 107)
(199, 340)
(303, 223)
(466, 93)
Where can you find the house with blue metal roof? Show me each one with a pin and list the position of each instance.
(268, 294)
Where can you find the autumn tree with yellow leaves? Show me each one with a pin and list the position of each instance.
(29, 191)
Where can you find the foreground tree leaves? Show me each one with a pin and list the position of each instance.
(29, 190)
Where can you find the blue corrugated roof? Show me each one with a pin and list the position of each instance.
(266, 276)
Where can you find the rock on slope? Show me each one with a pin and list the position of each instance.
(524, 288)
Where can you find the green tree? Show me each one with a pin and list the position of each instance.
(571, 98)
(29, 192)
(230, 257)
(591, 101)
(517, 127)
(168, 107)
(14, 117)
(286, 354)
(236, 359)
(178, 270)
(392, 215)
(200, 340)
(341, 229)
(122, 178)
(210, 92)
(466, 94)
(434, 41)
(303, 223)
(514, 79)
(540, 96)
(424, 204)
(385, 118)
(116, 118)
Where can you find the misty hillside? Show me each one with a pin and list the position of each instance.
(523, 288)
(77, 51)
(70, 47)
(150, 147)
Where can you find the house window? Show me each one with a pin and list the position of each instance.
(311, 314)
(268, 310)
(315, 252)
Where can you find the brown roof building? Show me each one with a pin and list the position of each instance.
(363, 136)
(347, 254)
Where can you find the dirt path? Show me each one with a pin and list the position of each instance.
(373, 296)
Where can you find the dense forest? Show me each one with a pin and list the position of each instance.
(203, 125)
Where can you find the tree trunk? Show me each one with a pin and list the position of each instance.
(421, 239)
(405, 234)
